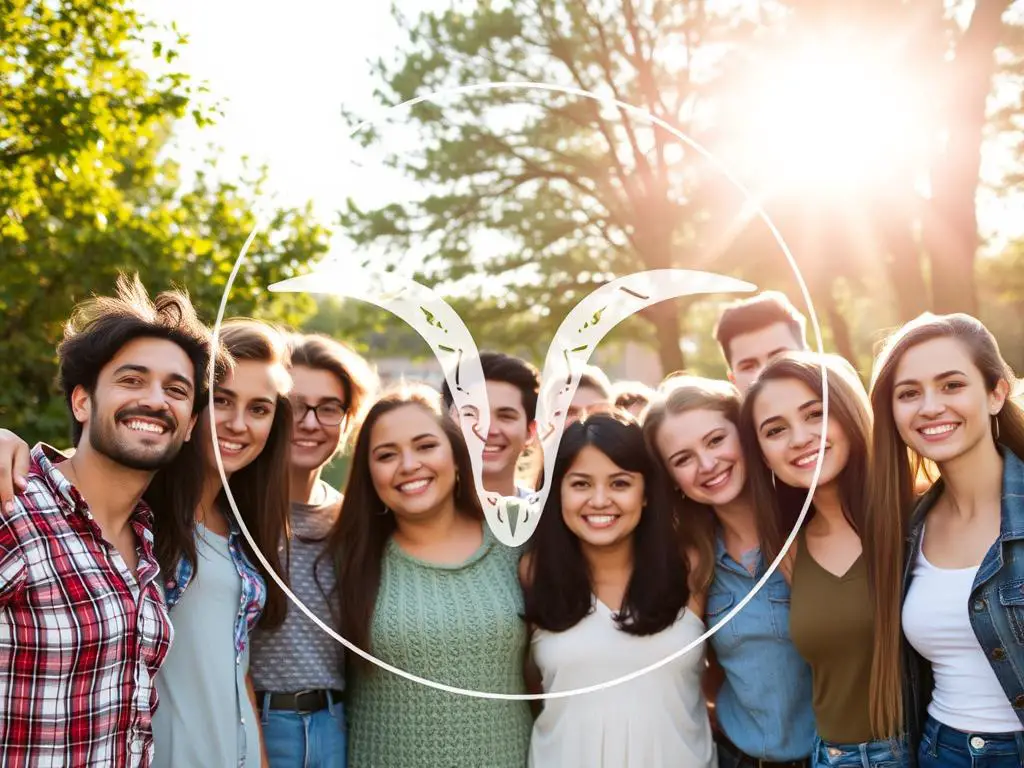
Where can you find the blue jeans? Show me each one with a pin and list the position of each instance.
(949, 748)
(871, 754)
(314, 740)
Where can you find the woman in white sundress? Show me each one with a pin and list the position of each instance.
(607, 593)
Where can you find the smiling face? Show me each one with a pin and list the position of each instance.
(313, 442)
(140, 411)
(509, 430)
(940, 403)
(244, 405)
(411, 462)
(601, 502)
(788, 416)
(700, 448)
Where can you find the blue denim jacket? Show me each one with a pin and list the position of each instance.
(996, 607)
(764, 705)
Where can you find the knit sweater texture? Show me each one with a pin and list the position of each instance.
(453, 624)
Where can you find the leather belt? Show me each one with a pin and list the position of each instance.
(743, 760)
(302, 702)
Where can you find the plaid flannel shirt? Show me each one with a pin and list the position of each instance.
(81, 636)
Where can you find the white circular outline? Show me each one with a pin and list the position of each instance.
(762, 214)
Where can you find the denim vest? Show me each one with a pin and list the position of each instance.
(996, 606)
(764, 705)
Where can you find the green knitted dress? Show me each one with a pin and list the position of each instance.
(457, 625)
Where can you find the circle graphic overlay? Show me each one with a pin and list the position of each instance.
(416, 304)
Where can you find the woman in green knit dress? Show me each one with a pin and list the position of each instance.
(425, 587)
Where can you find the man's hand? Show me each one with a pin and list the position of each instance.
(14, 457)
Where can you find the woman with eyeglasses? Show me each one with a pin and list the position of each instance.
(298, 670)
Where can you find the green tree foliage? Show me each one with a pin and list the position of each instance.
(87, 193)
(549, 194)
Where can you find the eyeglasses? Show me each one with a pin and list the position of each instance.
(329, 414)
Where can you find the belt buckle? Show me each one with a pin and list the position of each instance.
(298, 708)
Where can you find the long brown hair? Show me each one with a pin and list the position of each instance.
(357, 540)
(894, 467)
(778, 508)
(261, 488)
(778, 505)
(696, 522)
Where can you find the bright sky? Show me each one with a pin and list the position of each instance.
(282, 76)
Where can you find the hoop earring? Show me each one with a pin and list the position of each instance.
(385, 511)
(995, 424)
(773, 481)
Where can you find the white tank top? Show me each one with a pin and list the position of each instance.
(967, 694)
(657, 719)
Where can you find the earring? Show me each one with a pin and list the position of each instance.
(385, 511)
(773, 480)
(456, 482)
(995, 425)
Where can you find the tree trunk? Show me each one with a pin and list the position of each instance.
(903, 262)
(841, 336)
(951, 228)
(665, 317)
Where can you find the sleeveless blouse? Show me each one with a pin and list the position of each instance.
(658, 718)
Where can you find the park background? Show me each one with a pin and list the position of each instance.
(884, 137)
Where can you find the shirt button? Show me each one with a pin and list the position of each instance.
(977, 742)
(979, 606)
(998, 654)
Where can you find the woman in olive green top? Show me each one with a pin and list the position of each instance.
(424, 586)
(832, 609)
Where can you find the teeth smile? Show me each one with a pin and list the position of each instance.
(940, 430)
(145, 426)
(230, 446)
(718, 479)
(600, 519)
(305, 443)
(415, 485)
(492, 448)
(807, 460)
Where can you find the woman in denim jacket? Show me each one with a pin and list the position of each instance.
(941, 389)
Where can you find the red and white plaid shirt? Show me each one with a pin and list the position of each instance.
(81, 637)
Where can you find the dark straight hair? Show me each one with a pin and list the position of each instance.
(558, 590)
(357, 540)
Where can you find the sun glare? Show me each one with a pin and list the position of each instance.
(829, 119)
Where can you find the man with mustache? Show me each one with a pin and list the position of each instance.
(83, 628)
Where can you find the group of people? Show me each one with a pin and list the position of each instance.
(140, 625)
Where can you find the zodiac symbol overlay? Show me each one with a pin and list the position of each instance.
(512, 520)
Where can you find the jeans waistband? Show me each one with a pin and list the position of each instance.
(863, 754)
(977, 743)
